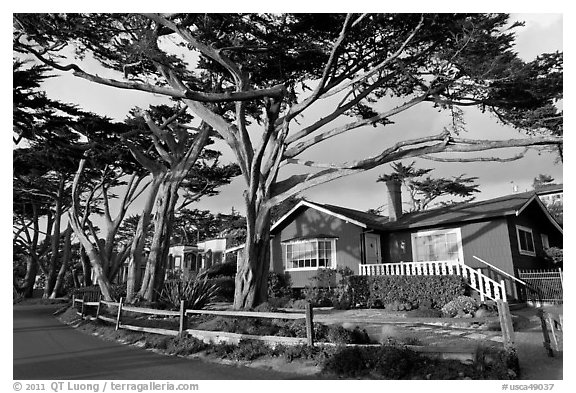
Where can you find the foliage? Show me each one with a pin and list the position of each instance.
(555, 255)
(339, 335)
(542, 181)
(377, 291)
(197, 292)
(279, 285)
(460, 306)
(424, 191)
(226, 269)
(398, 362)
(192, 225)
(328, 288)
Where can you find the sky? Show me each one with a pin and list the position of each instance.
(542, 33)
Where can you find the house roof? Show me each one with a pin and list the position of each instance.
(550, 189)
(356, 217)
(507, 205)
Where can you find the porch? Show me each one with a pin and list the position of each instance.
(477, 279)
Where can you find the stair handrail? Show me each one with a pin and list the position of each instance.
(500, 270)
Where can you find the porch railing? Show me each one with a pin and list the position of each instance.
(484, 285)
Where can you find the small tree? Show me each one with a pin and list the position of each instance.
(425, 190)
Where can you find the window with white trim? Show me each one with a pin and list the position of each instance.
(437, 245)
(309, 254)
(525, 241)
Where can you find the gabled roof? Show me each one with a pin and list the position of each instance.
(550, 189)
(507, 205)
(356, 217)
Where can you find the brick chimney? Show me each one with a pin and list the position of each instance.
(394, 199)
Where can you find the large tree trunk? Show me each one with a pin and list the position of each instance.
(139, 241)
(251, 287)
(27, 287)
(67, 253)
(86, 270)
(163, 219)
(52, 273)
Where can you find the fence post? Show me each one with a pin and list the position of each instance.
(83, 309)
(503, 289)
(561, 279)
(505, 322)
(99, 305)
(183, 319)
(546, 343)
(309, 324)
(119, 313)
(481, 285)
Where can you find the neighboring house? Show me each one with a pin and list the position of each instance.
(509, 232)
(192, 258)
(551, 194)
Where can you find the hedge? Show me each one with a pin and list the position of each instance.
(423, 291)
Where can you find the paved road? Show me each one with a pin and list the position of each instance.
(44, 348)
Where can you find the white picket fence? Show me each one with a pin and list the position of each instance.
(484, 285)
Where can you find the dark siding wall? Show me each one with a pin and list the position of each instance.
(311, 222)
(489, 241)
(534, 218)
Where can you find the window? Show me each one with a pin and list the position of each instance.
(525, 241)
(438, 245)
(545, 241)
(310, 254)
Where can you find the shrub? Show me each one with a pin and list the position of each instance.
(555, 255)
(182, 345)
(226, 269)
(197, 292)
(226, 287)
(460, 306)
(279, 302)
(399, 305)
(339, 335)
(279, 285)
(299, 304)
(245, 350)
(377, 291)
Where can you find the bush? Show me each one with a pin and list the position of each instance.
(399, 305)
(377, 291)
(339, 335)
(226, 269)
(226, 287)
(279, 285)
(299, 304)
(197, 292)
(460, 306)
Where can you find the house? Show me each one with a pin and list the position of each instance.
(191, 258)
(499, 236)
(551, 194)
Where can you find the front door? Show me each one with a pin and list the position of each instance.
(373, 251)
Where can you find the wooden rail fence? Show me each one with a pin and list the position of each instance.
(183, 314)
